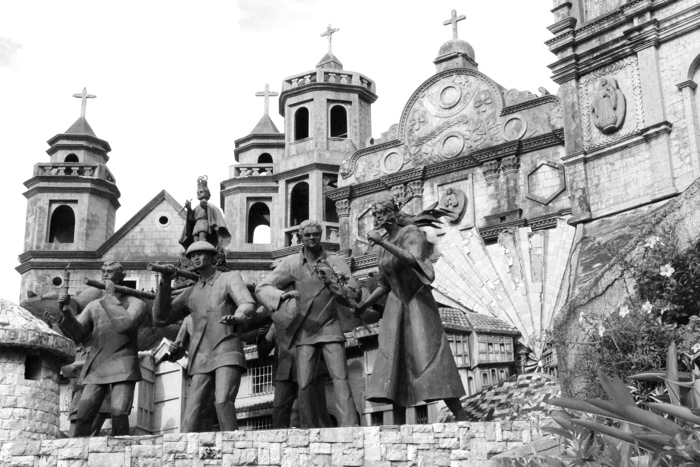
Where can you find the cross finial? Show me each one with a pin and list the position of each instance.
(84, 96)
(329, 32)
(267, 94)
(454, 19)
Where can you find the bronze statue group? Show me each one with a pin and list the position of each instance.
(413, 363)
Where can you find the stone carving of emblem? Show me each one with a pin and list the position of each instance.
(454, 204)
(391, 162)
(608, 106)
(483, 101)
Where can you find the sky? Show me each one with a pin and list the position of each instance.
(175, 81)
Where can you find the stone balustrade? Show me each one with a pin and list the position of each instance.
(325, 75)
(440, 444)
(252, 170)
(73, 169)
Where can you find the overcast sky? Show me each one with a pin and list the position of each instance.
(176, 81)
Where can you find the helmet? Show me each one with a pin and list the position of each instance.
(200, 246)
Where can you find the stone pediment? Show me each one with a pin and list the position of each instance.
(452, 114)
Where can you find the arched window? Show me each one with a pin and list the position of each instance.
(299, 206)
(265, 158)
(62, 228)
(339, 122)
(259, 223)
(471, 385)
(301, 123)
(71, 158)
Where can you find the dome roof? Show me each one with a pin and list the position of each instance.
(457, 46)
(20, 329)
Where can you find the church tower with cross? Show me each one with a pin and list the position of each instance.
(72, 198)
(281, 178)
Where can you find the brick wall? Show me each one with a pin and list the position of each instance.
(452, 444)
(29, 408)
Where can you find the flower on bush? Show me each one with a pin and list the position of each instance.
(666, 270)
(580, 318)
(624, 311)
(652, 241)
(647, 307)
(601, 330)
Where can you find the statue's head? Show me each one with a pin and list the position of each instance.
(202, 254)
(202, 188)
(113, 271)
(310, 233)
(388, 211)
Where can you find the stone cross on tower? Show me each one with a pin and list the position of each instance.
(84, 96)
(329, 32)
(453, 21)
(267, 94)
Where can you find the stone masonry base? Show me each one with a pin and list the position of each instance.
(439, 444)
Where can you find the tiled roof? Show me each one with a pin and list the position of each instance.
(81, 127)
(516, 398)
(265, 127)
(453, 318)
(19, 328)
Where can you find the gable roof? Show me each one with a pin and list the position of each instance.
(138, 217)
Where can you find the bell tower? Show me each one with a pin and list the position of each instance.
(72, 199)
(327, 114)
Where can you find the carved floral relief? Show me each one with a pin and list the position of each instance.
(451, 115)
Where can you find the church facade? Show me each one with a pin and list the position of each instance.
(532, 184)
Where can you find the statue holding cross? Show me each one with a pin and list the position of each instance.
(454, 19)
(329, 33)
(267, 94)
(84, 96)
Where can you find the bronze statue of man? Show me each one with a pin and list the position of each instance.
(284, 379)
(217, 303)
(111, 325)
(316, 328)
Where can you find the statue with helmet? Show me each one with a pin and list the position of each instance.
(109, 325)
(218, 303)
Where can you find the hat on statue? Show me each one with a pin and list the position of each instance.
(200, 246)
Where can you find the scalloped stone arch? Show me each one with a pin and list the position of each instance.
(417, 94)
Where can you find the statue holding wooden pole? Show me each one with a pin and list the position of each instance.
(110, 323)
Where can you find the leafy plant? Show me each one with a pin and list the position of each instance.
(617, 432)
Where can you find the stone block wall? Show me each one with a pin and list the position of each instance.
(29, 408)
(451, 444)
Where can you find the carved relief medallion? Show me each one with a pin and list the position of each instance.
(608, 106)
(454, 203)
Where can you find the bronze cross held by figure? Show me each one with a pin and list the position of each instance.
(454, 19)
(84, 96)
(267, 94)
(329, 32)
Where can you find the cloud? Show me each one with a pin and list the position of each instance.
(267, 14)
(8, 52)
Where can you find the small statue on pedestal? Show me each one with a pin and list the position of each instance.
(205, 223)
